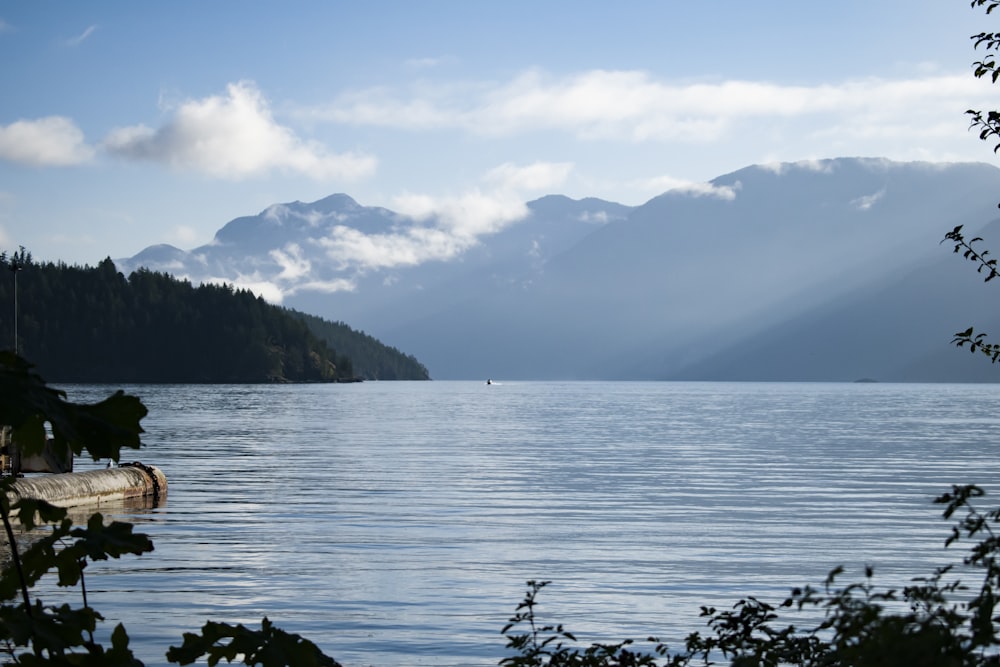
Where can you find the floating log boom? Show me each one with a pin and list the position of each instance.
(95, 487)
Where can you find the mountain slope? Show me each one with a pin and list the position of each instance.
(707, 272)
(897, 330)
(588, 289)
(686, 275)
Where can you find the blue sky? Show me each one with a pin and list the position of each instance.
(126, 124)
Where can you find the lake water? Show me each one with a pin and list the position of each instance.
(397, 523)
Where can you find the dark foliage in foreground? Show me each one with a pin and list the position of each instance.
(35, 634)
(937, 620)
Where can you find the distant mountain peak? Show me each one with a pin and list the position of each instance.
(335, 202)
(589, 288)
(586, 209)
(160, 257)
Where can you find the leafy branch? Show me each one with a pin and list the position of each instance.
(988, 123)
(268, 647)
(977, 342)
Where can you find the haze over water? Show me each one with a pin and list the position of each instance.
(397, 523)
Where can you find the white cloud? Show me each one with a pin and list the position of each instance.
(183, 235)
(278, 213)
(350, 248)
(277, 289)
(538, 177)
(866, 202)
(234, 136)
(597, 217)
(79, 39)
(268, 290)
(293, 265)
(634, 105)
(662, 184)
(725, 192)
(255, 284)
(825, 166)
(429, 109)
(175, 267)
(325, 286)
(428, 62)
(466, 216)
(444, 228)
(51, 141)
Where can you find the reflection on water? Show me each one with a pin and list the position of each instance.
(396, 523)
(136, 511)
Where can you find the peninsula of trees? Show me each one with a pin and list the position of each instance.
(94, 325)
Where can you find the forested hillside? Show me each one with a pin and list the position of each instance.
(86, 324)
(375, 360)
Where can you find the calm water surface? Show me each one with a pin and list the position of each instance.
(397, 523)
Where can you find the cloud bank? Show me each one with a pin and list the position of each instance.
(690, 188)
(54, 141)
(234, 136)
(446, 226)
(636, 106)
(535, 177)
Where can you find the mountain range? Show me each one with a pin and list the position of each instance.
(829, 270)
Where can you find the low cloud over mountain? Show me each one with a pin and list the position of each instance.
(819, 270)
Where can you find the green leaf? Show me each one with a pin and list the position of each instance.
(27, 404)
(98, 541)
(28, 508)
(267, 647)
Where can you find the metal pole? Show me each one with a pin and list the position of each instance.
(15, 266)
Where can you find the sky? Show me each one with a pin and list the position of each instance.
(129, 124)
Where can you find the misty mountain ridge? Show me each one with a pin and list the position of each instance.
(816, 270)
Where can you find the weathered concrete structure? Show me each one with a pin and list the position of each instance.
(51, 459)
(95, 487)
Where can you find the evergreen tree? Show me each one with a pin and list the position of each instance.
(83, 324)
